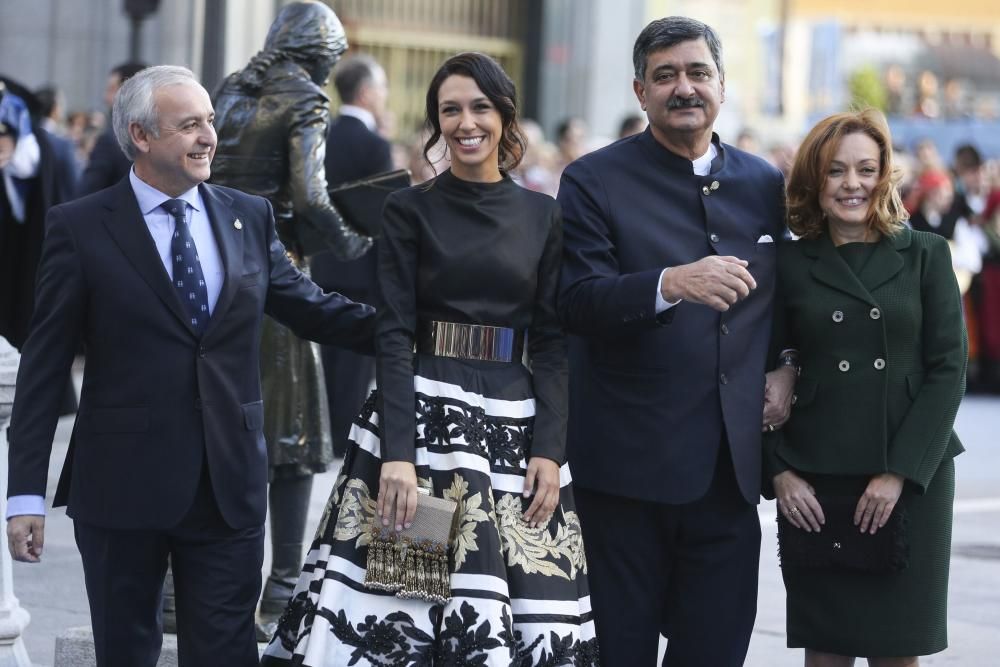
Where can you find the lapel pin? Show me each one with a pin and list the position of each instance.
(237, 224)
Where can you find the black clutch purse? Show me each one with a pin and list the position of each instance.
(840, 546)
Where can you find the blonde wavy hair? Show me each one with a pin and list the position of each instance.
(805, 217)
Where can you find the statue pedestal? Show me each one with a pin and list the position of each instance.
(13, 619)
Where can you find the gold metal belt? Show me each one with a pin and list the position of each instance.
(469, 341)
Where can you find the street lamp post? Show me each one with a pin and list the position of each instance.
(13, 619)
(137, 11)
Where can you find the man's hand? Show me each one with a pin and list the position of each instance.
(25, 537)
(779, 386)
(715, 281)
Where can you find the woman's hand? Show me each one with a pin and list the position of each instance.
(397, 493)
(779, 386)
(543, 480)
(878, 501)
(797, 501)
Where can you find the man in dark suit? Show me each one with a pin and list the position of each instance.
(166, 280)
(354, 150)
(667, 284)
(107, 163)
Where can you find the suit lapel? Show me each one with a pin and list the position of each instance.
(831, 269)
(127, 227)
(885, 262)
(229, 237)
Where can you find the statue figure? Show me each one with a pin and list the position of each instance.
(272, 118)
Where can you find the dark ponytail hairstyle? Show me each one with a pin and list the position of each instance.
(500, 90)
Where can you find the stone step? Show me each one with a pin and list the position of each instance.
(75, 648)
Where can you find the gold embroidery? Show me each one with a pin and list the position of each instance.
(357, 510)
(330, 504)
(536, 549)
(470, 512)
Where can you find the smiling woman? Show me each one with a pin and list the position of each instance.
(874, 312)
(468, 269)
(471, 104)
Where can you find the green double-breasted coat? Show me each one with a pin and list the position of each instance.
(883, 354)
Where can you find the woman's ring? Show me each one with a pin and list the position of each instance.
(794, 510)
(770, 428)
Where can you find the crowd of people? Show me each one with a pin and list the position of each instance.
(598, 359)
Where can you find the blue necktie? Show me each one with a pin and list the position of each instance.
(189, 281)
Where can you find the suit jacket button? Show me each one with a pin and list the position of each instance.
(201, 352)
(723, 379)
(714, 238)
(838, 316)
(725, 329)
(844, 366)
(715, 186)
(879, 364)
(705, 191)
(875, 313)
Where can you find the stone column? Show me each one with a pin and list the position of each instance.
(13, 619)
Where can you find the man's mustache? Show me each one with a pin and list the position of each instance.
(684, 103)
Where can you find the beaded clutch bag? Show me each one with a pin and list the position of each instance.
(414, 563)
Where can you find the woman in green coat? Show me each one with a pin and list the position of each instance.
(874, 311)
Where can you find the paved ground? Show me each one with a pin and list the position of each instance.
(53, 591)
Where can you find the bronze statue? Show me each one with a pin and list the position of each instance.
(272, 119)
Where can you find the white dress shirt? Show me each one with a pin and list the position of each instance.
(161, 227)
(364, 115)
(702, 167)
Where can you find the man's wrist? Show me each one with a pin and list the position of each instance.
(667, 288)
(25, 505)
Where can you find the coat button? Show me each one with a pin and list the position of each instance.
(201, 352)
(838, 316)
(725, 330)
(875, 313)
(879, 364)
(714, 238)
(844, 366)
(705, 191)
(723, 379)
(715, 186)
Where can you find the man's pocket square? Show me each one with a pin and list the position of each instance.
(766, 238)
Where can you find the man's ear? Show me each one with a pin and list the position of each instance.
(722, 90)
(140, 137)
(640, 92)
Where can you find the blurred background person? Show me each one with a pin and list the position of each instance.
(936, 209)
(987, 299)
(35, 177)
(970, 177)
(106, 163)
(747, 141)
(50, 122)
(536, 169)
(875, 314)
(631, 124)
(571, 142)
(354, 150)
